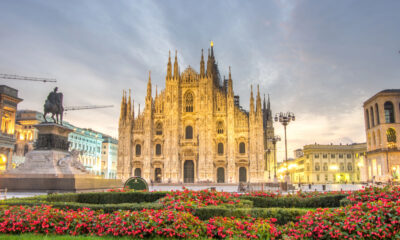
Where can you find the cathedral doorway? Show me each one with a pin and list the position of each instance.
(188, 172)
(220, 175)
(242, 174)
(138, 172)
(157, 175)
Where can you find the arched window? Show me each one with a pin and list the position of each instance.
(138, 172)
(189, 102)
(372, 117)
(220, 148)
(317, 167)
(220, 127)
(341, 166)
(158, 149)
(242, 147)
(325, 166)
(378, 121)
(138, 149)
(349, 166)
(159, 129)
(367, 118)
(189, 132)
(391, 135)
(389, 112)
(369, 140)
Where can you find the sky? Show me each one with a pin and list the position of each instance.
(318, 59)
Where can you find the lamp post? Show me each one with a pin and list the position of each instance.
(275, 139)
(285, 119)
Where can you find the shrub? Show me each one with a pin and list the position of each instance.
(108, 208)
(225, 227)
(296, 202)
(107, 197)
(282, 215)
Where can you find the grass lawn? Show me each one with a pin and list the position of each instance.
(67, 237)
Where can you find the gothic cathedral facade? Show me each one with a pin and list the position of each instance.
(195, 131)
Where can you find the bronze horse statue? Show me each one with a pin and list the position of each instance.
(54, 105)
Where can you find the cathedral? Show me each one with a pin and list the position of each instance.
(195, 131)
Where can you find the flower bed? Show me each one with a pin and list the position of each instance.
(147, 223)
(368, 220)
(371, 213)
(186, 200)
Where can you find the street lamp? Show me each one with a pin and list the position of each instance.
(275, 139)
(285, 119)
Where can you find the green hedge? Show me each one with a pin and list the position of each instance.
(296, 202)
(344, 202)
(108, 208)
(282, 215)
(107, 197)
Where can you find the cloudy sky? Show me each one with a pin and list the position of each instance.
(318, 59)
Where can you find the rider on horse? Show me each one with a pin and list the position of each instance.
(53, 105)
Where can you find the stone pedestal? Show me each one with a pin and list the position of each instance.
(50, 167)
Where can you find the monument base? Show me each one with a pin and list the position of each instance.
(51, 167)
(49, 183)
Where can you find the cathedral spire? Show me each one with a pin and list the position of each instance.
(148, 97)
(212, 49)
(128, 108)
(230, 84)
(258, 104)
(156, 91)
(176, 67)
(269, 104)
(251, 101)
(202, 64)
(169, 66)
(139, 110)
(264, 105)
(123, 106)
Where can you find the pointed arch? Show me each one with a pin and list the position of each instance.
(189, 101)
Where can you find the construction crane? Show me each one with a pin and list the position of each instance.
(86, 107)
(24, 78)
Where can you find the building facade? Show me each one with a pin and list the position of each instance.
(382, 123)
(8, 108)
(326, 164)
(109, 155)
(26, 133)
(89, 144)
(194, 131)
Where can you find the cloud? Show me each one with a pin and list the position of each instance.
(318, 59)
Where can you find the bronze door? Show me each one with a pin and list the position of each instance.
(220, 175)
(188, 172)
(242, 174)
(157, 175)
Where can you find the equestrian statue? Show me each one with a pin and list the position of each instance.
(54, 105)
